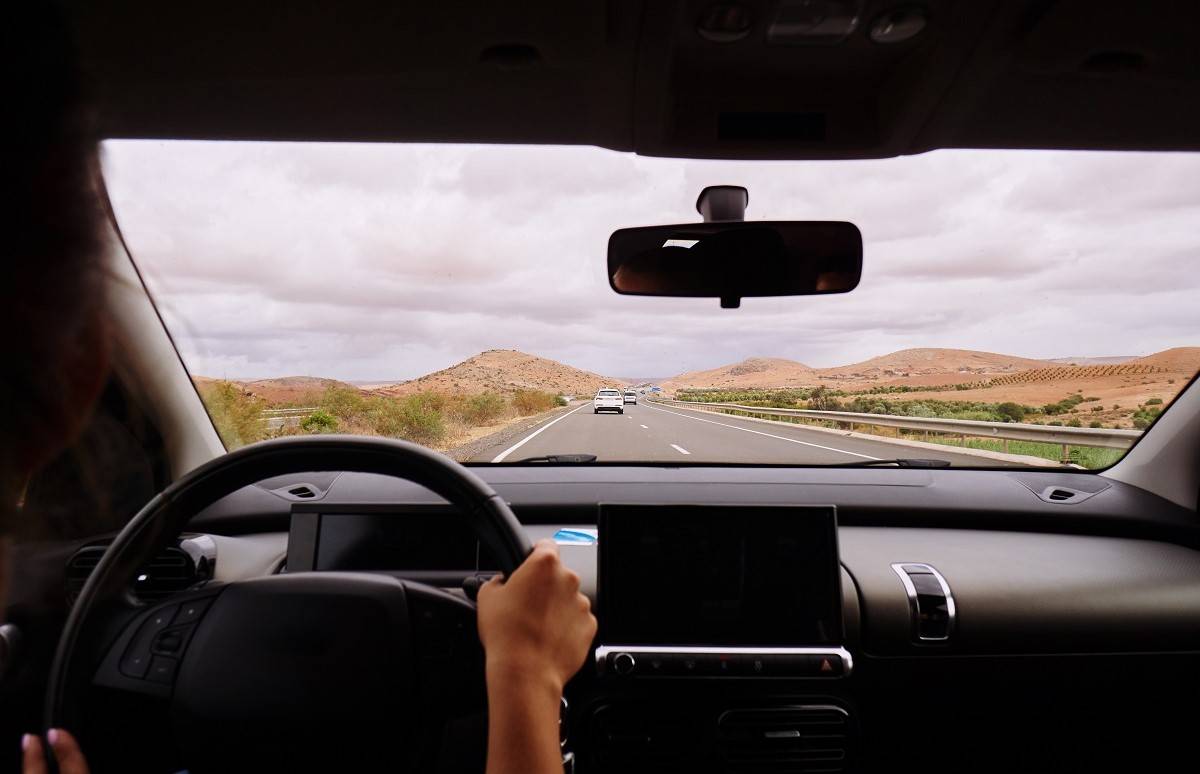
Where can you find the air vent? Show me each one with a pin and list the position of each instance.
(171, 571)
(1064, 494)
(300, 490)
(787, 739)
(79, 567)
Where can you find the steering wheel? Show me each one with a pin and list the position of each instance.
(329, 670)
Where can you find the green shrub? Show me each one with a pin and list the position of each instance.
(484, 408)
(1089, 400)
(320, 421)
(347, 405)
(1154, 402)
(1074, 423)
(1012, 412)
(235, 413)
(414, 418)
(560, 401)
(528, 402)
(1055, 423)
(1095, 423)
(1144, 416)
(1097, 408)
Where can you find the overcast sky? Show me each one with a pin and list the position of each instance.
(377, 262)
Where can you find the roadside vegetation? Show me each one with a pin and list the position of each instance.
(433, 419)
(1074, 410)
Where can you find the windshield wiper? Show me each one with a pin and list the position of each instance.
(558, 459)
(902, 462)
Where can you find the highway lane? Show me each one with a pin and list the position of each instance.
(657, 433)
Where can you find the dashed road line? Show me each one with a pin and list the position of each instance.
(680, 449)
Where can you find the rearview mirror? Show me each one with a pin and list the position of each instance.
(732, 260)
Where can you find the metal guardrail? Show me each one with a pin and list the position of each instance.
(964, 428)
(276, 419)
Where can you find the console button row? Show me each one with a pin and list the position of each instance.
(664, 664)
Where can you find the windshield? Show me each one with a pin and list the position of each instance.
(1016, 308)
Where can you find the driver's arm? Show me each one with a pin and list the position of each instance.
(536, 629)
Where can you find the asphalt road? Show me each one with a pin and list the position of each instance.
(656, 433)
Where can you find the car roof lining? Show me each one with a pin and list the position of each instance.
(636, 76)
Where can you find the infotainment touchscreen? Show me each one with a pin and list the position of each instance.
(719, 576)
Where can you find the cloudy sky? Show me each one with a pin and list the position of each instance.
(376, 262)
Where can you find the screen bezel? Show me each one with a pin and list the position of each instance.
(605, 558)
(309, 519)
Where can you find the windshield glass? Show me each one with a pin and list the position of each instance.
(1016, 307)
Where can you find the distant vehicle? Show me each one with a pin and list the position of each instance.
(608, 400)
(631, 397)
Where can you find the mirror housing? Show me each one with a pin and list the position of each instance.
(734, 259)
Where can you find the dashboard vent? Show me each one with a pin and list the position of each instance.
(79, 567)
(168, 573)
(789, 739)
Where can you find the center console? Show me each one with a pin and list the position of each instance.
(722, 642)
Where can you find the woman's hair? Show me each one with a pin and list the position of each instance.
(51, 225)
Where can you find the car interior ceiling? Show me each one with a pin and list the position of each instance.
(981, 624)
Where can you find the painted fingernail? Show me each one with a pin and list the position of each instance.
(52, 736)
(26, 740)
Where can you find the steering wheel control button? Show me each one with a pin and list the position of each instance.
(171, 641)
(624, 663)
(136, 660)
(190, 611)
(135, 664)
(162, 670)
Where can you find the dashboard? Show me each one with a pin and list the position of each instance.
(764, 619)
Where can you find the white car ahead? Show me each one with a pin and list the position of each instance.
(608, 400)
(631, 397)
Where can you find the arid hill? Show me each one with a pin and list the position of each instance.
(505, 370)
(1184, 360)
(754, 372)
(286, 389)
(920, 362)
(1087, 361)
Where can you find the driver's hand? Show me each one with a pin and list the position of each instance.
(66, 752)
(536, 626)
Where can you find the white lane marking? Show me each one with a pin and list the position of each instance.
(680, 449)
(769, 435)
(645, 428)
(500, 457)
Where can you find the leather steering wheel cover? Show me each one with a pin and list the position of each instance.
(167, 514)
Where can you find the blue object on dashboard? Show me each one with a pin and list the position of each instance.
(580, 536)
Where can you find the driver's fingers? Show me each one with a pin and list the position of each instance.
(66, 752)
(33, 760)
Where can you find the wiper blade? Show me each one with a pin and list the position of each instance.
(901, 462)
(558, 459)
